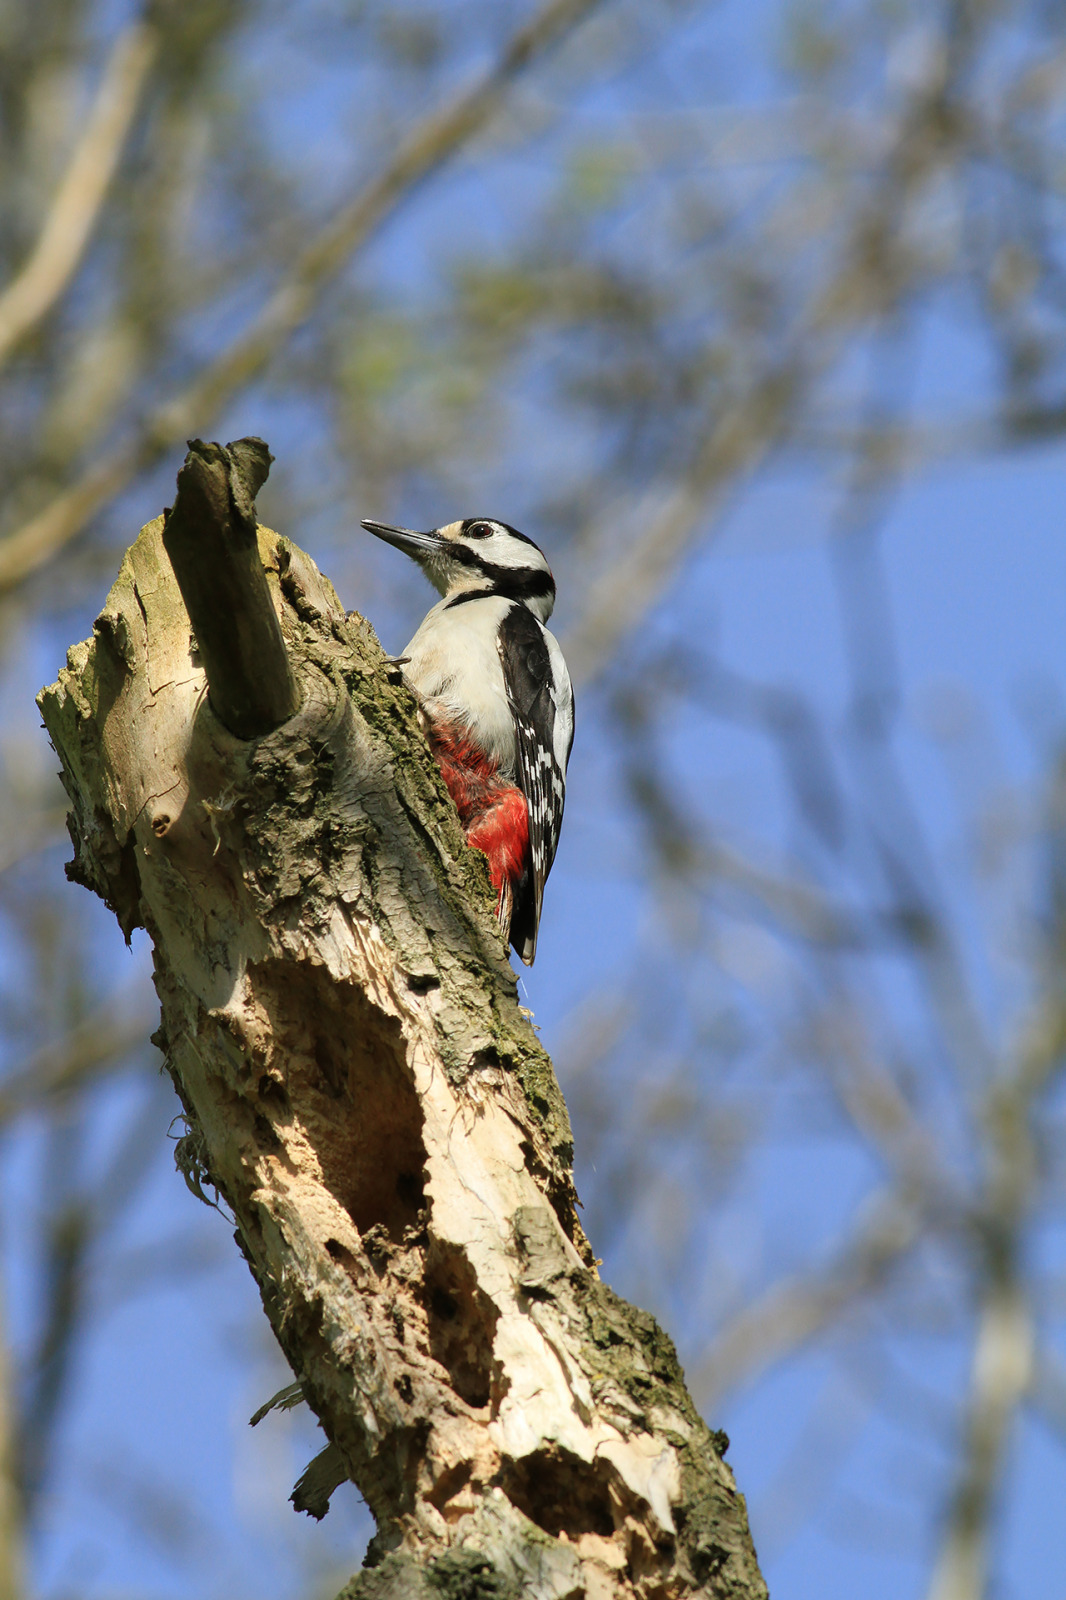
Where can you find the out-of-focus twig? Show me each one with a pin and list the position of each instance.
(61, 519)
(881, 1114)
(432, 142)
(44, 831)
(79, 1215)
(69, 1226)
(1046, 1395)
(106, 1036)
(1000, 1376)
(790, 1313)
(12, 1586)
(80, 196)
(793, 902)
(1003, 1362)
(634, 574)
(742, 429)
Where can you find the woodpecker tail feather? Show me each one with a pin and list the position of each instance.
(505, 907)
(523, 923)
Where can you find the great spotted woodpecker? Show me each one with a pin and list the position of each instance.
(498, 704)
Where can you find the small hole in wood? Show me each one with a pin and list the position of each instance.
(345, 1068)
(462, 1324)
(560, 1493)
(342, 1256)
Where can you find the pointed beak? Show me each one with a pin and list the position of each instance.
(418, 545)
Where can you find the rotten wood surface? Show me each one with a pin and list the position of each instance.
(210, 536)
(360, 1084)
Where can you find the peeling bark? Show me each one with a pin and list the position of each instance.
(341, 1022)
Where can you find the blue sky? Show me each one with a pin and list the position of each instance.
(843, 1489)
(976, 565)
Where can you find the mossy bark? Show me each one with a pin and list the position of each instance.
(341, 1022)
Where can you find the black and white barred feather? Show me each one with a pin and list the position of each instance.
(541, 701)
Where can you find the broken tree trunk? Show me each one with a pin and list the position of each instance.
(361, 1086)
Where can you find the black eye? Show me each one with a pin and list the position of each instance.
(478, 530)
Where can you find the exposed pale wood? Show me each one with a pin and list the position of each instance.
(210, 537)
(362, 1088)
(79, 199)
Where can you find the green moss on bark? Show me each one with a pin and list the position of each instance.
(245, 881)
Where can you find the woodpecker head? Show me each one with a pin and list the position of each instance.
(478, 556)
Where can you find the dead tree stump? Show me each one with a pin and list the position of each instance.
(360, 1085)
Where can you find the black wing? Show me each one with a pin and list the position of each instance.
(528, 675)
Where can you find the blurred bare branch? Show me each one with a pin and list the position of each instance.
(48, 830)
(80, 1212)
(80, 196)
(1003, 1356)
(95, 1045)
(642, 292)
(12, 1512)
(779, 1322)
(634, 573)
(1001, 1371)
(432, 142)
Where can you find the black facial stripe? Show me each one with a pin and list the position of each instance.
(519, 583)
(508, 584)
(463, 554)
(498, 574)
(525, 582)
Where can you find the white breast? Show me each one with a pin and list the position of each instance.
(455, 669)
